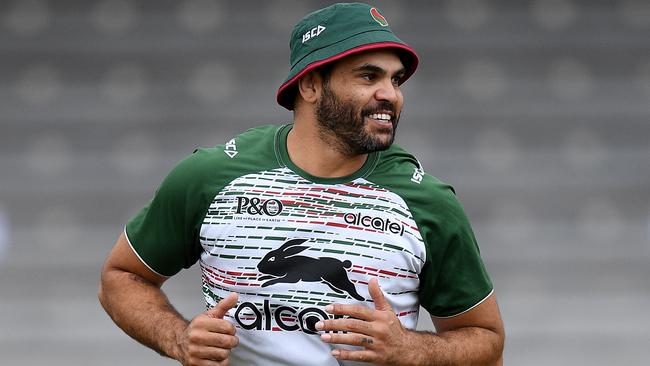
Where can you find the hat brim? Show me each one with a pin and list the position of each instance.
(359, 43)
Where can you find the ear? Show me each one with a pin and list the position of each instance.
(291, 243)
(309, 86)
(292, 251)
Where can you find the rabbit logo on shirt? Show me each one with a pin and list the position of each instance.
(283, 265)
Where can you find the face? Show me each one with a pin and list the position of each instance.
(361, 102)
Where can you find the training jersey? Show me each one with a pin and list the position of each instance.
(290, 243)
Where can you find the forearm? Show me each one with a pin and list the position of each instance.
(463, 346)
(143, 311)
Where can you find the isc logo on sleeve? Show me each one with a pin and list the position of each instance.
(314, 32)
(231, 148)
(418, 174)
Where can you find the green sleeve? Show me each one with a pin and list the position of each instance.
(165, 233)
(454, 278)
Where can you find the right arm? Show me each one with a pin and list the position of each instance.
(131, 294)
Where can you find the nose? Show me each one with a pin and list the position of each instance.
(387, 91)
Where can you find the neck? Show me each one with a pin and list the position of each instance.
(309, 151)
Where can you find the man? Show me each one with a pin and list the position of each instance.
(317, 240)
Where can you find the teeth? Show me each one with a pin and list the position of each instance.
(380, 116)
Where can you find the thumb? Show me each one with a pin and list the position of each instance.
(223, 306)
(378, 296)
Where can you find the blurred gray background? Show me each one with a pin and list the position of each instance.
(537, 111)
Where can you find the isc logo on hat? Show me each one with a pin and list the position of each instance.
(314, 32)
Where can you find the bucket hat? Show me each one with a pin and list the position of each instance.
(334, 32)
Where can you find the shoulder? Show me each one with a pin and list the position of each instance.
(249, 143)
(401, 173)
(257, 137)
(250, 151)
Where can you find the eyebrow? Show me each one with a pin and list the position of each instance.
(377, 69)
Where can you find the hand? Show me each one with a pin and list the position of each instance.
(379, 331)
(208, 338)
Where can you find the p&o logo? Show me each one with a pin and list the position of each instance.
(258, 206)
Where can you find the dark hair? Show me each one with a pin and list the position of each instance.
(325, 72)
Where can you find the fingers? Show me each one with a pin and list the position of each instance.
(346, 325)
(211, 353)
(359, 318)
(205, 322)
(354, 311)
(206, 362)
(378, 296)
(360, 326)
(220, 310)
(359, 356)
(349, 339)
(367, 354)
(360, 311)
(206, 347)
(210, 339)
(213, 318)
(199, 362)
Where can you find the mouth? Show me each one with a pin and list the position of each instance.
(383, 119)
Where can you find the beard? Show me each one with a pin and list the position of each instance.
(343, 125)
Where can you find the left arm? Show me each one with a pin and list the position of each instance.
(475, 337)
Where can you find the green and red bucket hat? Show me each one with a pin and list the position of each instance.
(335, 32)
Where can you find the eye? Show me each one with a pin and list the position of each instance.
(368, 76)
(396, 80)
(272, 259)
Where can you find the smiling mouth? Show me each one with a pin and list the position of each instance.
(382, 119)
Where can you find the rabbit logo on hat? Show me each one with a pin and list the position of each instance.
(282, 265)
